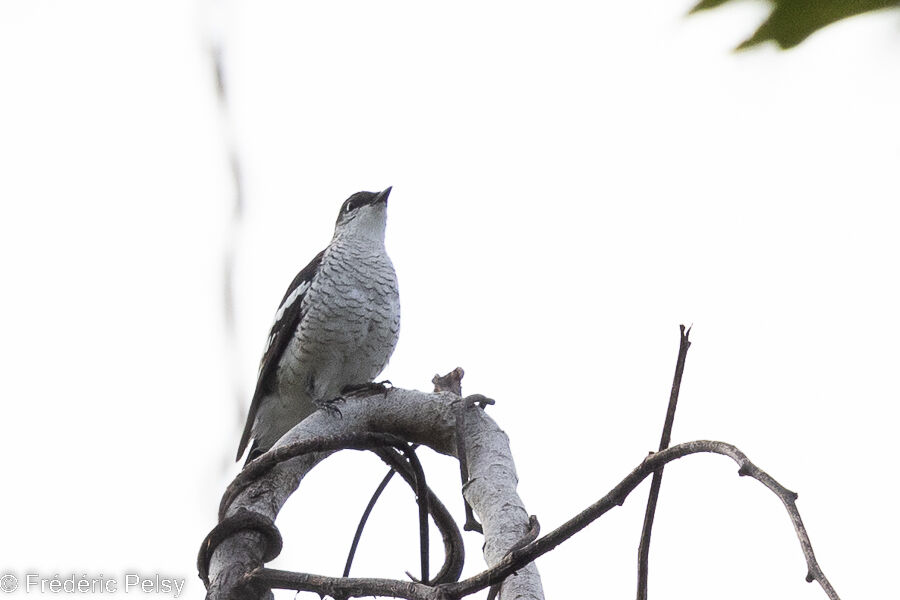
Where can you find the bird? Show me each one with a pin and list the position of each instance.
(335, 329)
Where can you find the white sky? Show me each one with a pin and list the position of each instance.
(571, 180)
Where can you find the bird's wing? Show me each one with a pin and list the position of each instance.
(287, 320)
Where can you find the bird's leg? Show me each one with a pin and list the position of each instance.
(356, 390)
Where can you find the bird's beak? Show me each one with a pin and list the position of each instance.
(383, 196)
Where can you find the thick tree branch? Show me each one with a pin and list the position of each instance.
(324, 444)
(452, 382)
(356, 441)
(423, 418)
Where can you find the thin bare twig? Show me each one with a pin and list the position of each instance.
(422, 496)
(616, 497)
(341, 587)
(454, 550)
(364, 518)
(653, 498)
(519, 558)
(263, 464)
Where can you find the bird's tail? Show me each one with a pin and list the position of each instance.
(254, 452)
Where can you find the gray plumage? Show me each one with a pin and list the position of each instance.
(336, 326)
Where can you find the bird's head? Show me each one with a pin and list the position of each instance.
(363, 214)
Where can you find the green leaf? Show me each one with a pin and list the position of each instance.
(792, 21)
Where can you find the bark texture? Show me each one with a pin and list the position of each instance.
(423, 418)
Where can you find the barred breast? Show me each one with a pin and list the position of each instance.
(351, 323)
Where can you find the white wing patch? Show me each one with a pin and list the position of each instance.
(279, 314)
(298, 291)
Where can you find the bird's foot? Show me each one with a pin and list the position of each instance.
(359, 390)
(331, 406)
(362, 390)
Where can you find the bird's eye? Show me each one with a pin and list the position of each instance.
(350, 207)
